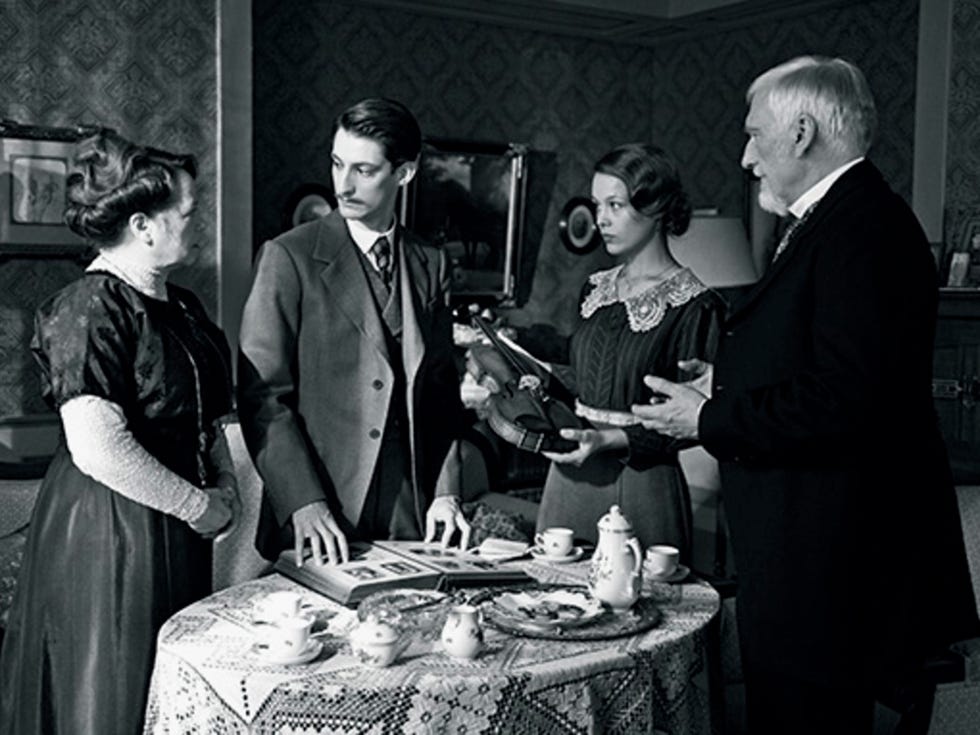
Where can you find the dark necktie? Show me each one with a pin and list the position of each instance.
(381, 252)
(795, 223)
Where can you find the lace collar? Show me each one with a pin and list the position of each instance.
(646, 309)
(149, 281)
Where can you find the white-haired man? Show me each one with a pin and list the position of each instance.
(835, 478)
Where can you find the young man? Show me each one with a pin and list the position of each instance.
(348, 394)
(820, 413)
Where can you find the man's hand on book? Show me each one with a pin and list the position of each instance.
(314, 523)
(445, 510)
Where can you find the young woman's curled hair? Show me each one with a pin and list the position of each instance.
(113, 179)
(653, 183)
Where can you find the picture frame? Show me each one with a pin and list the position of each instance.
(307, 202)
(969, 235)
(34, 168)
(469, 198)
(577, 226)
(959, 255)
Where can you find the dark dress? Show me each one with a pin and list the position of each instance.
(101, 572)
(611, 350)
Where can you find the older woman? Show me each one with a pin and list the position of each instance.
(120, 537)
(646, 311)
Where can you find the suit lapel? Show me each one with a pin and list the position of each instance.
(344, 282)
(858, 175)
(414, 286)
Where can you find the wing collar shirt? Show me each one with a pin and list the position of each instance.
(816, 192)
(808, 200)
(364, 238)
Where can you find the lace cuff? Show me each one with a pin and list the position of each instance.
(103, 448)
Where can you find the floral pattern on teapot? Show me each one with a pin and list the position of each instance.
(615, 573)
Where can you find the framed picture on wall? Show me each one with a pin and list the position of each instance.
(468, 198)
(958, 257)
(33, 176)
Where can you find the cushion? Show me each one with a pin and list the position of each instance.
(488, 521)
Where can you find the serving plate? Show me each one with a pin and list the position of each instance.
(575, 624)
(546, 608)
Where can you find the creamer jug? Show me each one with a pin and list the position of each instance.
(615, 572)
(462, 635)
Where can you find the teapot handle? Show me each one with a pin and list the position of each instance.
(634, 547)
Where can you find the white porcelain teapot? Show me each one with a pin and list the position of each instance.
(615, 573)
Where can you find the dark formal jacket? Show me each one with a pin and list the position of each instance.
(836, 484)
(316, 378)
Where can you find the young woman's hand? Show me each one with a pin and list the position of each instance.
(590, 441)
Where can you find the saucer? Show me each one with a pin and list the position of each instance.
(676, 576)
(270, 656)
(539, 555)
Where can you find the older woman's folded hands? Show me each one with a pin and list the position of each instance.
(217, 515)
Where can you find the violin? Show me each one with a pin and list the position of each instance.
(525, 407)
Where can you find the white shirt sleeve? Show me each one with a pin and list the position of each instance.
(103, 447)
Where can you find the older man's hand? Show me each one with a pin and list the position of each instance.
(675, 407)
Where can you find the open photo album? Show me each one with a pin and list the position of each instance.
(384, 565)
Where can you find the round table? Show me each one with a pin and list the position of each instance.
(210, 678)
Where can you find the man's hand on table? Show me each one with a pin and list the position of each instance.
(315, 524)
(445, 510)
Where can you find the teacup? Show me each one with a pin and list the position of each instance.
(280, 604)
(555, 541)
(289, 636)
(661, 560)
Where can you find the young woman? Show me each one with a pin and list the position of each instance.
(645, 314)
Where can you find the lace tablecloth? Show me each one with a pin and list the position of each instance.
(208, 678)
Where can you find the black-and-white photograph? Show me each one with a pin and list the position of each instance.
(326, 325)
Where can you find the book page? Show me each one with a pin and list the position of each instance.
(369, 569)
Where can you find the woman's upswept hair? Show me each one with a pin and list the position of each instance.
(833, 92)
(113, 179)
(653, 183)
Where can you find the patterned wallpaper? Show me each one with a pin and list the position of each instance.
(146, 68)
(700, 88)
(570, 99)
(143, 67)
(963, 124)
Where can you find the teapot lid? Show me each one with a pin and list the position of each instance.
(615, 521)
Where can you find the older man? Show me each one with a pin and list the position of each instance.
(837, 488)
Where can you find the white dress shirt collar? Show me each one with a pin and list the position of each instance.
(816, 192)
(364, 237)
